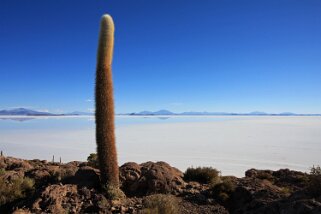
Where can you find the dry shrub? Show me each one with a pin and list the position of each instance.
(160, 204)
(62, 174)
(222, 191)
(205, 175)
(314, 184)
(113, 193)
(18, 188)
(93, 160)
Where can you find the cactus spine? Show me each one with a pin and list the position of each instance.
(105, 130)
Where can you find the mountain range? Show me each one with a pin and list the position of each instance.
(23, 111)
(254, 113)
(163, 112)
(29, 112)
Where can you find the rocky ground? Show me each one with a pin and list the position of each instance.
(34, 186)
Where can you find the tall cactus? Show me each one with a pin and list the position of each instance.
(105, 128)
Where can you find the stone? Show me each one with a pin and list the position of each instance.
(149, 178)
(86, 176)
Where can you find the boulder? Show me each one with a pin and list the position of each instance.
(86, 176)
(58, 199)
(16, 164)
(253, 193)
(148, 178)
(295, 179)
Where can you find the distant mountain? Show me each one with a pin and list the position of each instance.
(81, 113)
(163, 112)
(29, 112)
(287, 114)
(257, 113)
(167, 112)
(160, 112)
(195, 113)
(205, 113)
(25, 112)
(144, 113)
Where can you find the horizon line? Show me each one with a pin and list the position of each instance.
(169, 112)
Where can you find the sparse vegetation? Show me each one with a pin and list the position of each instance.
(113, 193)
(16, 189)
(315, 170)
(93, 160)
(103, 203)
(314, 185)
(222, 191)
(205, 175)
(286, 190)
(303, 179)
(160, 204)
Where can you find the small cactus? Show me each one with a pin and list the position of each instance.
(105, 128)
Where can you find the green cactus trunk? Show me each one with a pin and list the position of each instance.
(105, 128)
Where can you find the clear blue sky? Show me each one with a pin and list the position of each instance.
(181, 55)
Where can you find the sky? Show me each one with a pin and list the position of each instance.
(181, 55)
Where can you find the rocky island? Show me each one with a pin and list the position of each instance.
(36, 186)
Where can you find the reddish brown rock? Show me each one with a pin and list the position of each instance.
(10, 163)
(57, 199)
(86, 176)
(73, 188)
(150, 177)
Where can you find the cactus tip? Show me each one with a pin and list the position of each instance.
(107, 18)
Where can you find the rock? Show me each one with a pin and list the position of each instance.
(86, 176)
(21, 211)
(301, 206)
(197, 198)
(75, 163)
(3, 164)
(254, 195)
(283, 177)
(86, 193)
(74, 188)
(65, 173)
(15, 164)
(129, 174)
(12, 175)
(149, 178)
(295, 179)
(186, 207)
(41, 176)
(251, 173)
(252, 192)
(193, 187)
(38, 163)
(260, 174)
(57, 199)
(288, 207)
